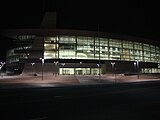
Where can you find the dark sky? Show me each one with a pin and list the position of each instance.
(137, 17)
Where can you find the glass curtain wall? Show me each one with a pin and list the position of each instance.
(104, 51)
(15, 57)
(81, 47)
(85, 47)
(138, 52)
(115, 49)
(51, 47)
(146, 52)
(12, 56)
(67, 47)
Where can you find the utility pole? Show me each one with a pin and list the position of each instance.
(99, 54)
(42, 59)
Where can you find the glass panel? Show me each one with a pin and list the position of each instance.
(85, 47)
(115, 43)
(146, 47)
(152, 48)
(67, 39)
(66, 71)
(79, 71)
(137, 46)
(67, 47)
(26, 37)
(126, 54)
(128, 44)
(50, 47)
(95, 71)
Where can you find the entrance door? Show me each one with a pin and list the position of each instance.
(79, 72)
(67, 71)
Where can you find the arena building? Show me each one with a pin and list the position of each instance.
(78, 52)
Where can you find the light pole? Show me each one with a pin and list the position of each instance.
(32, 66)
(42, 59)
(135, 67)
(113, 70)
(0, 69)
(99, 52)
(56, 63)
(63, 64)
(80, 72)
(98, 70)
(137, 61)
(1, 65)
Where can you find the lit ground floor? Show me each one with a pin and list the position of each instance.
(84, 67)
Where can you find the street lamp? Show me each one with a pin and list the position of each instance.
(56, 63)
(113, 70)
(63, 64)
(77, 72)
(42, 60)
(99, 70)
(99, 52)
(32, 66)
(134, 66)
(137, 62)
(1, 65)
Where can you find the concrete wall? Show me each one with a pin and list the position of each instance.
(47, 68)
(37, 48)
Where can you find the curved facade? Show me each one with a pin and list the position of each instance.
(81, 47)
(84, 52)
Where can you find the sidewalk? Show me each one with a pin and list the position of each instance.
(72, 79)
(130, 78)
(60, 79)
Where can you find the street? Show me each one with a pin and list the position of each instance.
(124, 101)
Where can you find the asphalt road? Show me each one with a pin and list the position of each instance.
(123, 101)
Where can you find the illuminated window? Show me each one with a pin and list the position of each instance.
(51, 47)
(85, 47)
(26, 37)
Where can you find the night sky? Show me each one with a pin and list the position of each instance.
(136, 18)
